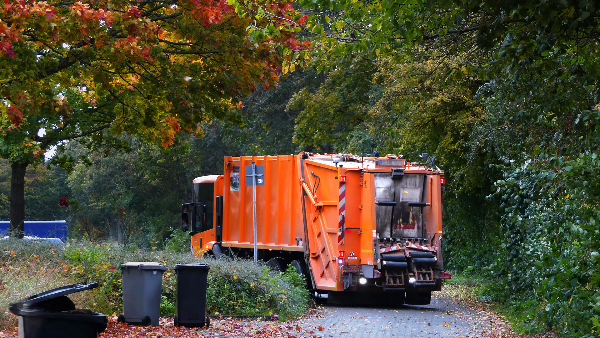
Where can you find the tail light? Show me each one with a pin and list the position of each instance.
(341, 257)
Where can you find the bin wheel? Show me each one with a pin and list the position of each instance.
(207, 321)
(175, 323)
(121, 318)
(146, 321)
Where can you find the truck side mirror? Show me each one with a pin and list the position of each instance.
(185, 218)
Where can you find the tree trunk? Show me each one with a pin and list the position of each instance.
(17, 200)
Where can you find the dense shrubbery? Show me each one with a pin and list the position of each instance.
(235, 287)
(248, 289)
(550, 251)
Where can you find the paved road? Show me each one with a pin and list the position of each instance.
(442, 318)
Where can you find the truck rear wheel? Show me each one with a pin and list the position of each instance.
(299, 267)
(276, 264)
(418, 298)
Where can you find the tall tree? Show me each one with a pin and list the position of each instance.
(99, 68)
(535, 126)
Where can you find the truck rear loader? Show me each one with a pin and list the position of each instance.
(350, 224)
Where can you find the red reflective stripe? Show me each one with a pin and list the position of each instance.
(342, 211)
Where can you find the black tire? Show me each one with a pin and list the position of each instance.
(175, 321)
(121, 318)
(207, 321)
(418, 298)
(216, 250)
(319, 300)
(276, 264)
(296, 264)
(300, 267)
(146, 321)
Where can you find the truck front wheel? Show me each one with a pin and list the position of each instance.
(216, 250)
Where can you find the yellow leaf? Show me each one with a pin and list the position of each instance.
(327, 18)
(234, 277)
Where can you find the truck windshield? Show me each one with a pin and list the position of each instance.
(204, 193)
(401, 220)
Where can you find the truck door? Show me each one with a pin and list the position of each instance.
(197, 216)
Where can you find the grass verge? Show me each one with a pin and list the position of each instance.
(235, 287)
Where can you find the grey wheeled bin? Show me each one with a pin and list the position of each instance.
(142, 283)
(51, 314)
(191, 295)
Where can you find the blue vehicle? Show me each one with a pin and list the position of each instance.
(40, 229)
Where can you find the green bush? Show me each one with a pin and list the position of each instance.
(235, 287)
(549, 266)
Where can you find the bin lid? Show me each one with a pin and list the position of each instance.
(144, 266)
(31, 301)
(192, 266)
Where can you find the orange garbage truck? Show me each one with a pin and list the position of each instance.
(351, 224)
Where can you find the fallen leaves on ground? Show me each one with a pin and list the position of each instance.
(491, 324)
(220, 327)
(487, 323)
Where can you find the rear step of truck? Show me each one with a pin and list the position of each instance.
(395, 269)
(394, 280)
(396, 261)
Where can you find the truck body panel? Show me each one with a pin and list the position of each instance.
(278, 218)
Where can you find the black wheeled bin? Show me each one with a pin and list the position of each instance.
(191, 295)
(142, 282)
(51, 314)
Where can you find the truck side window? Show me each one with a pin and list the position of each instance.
(205, 193)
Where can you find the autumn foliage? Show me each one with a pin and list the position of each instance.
(149, 69)
(96, 70)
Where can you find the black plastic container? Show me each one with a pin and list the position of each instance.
(191, 295)
(51, 314)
